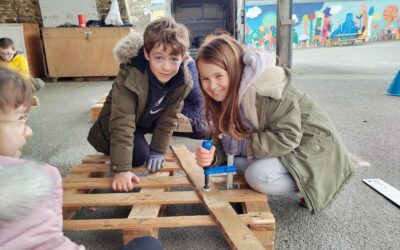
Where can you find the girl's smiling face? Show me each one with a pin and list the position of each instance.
(14, 131)
(214, 80)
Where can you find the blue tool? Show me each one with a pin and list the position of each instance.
(228, 169)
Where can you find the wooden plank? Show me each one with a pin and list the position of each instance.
(236, 231)
(265, 233)
(95, 111)
(69, 212)
(154, 197)
(221, 180)
(145, 182)
(35, 101)
(144, 212)
(100, 158)
(105, 168)
(159, 222)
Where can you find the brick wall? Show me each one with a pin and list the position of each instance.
(28, 11)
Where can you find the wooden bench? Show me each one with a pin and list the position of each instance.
(347, 39)
(35, 101)
(254, 228)
(183, 124)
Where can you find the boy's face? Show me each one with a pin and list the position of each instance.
(163, 64)
(7, 54)
(14, 131)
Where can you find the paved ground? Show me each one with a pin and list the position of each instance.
(349, 82)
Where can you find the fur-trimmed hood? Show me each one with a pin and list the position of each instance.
(260, 76)
(22, 186)
(128, 47)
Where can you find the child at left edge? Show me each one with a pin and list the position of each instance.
(31, 193)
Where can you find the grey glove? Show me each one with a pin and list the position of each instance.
(155, 161)
(232, 146)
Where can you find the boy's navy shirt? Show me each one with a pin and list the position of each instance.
(157, 99)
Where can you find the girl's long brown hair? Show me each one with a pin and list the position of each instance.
(224, 117)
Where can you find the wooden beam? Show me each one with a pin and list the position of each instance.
(159, 222)
(146, 211)
(100, 158)
(105, 167)
(145, 182)
(265, 233)
(234, 229)
(155, 198)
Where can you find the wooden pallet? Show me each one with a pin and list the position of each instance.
(252, 229)
(96, 108)
(183, 124)
(35, 101)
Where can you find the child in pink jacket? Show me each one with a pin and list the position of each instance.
(31, 194)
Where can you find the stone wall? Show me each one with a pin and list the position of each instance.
(28, 11)
(20, 11)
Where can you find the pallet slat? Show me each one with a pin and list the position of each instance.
(160, 222)
(156, 198)
(105, 168)
(100, 158)
(235, 230)
(145, 182)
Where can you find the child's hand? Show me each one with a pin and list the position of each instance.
(155, 161)
(204, 157)
(122, 182)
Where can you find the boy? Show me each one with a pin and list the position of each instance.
(146, 97)
(15, 60)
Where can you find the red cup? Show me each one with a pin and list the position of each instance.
(82, 20)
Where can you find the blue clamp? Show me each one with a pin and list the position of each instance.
(223, 169)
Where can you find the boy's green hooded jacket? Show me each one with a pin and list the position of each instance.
(113, 131)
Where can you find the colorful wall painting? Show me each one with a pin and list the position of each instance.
(326, 23)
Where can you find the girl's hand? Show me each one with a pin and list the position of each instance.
(204, 157)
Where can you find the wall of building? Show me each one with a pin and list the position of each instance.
(28, 11)
(325, 23)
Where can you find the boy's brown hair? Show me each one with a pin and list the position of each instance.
(6, 43)
(224, 117)
(14, 91)
(165, 31)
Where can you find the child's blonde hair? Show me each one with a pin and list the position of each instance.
(165, 31)
(14, 91)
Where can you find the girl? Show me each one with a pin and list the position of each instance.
(31, 193)
(284, 142)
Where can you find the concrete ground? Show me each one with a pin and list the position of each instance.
(349, 82)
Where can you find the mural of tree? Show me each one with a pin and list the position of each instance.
(311, 17)
(390, 15)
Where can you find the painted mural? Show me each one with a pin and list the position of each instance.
(326, 23)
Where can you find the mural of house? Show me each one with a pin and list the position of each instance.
(324, 23)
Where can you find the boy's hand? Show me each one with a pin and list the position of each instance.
(122, 182)
(155, 161)
(204, 157)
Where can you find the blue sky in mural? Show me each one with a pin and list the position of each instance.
(305, 8)
(255, 17)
